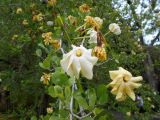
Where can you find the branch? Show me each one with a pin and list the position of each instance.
(137, 23)
(155, 39)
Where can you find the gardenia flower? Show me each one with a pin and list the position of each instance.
(94, 22)
(25, 22)
(115, 28)
(84, 8)
(19, 10)
(93, 36)
(123, 84)
(56, 43)
(98, 20)
(47, 37)
(79, 60)
(38, 17)
(45, 78)
(52, 2)
(50, 23)
(100, 53)
(49, 110)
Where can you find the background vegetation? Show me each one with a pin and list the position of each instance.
(24, 57)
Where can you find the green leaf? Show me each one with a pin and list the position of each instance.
(39, 52)
(51, 91)
(67, 93)
(60, 78)
(56, 91)
(33, 118)
(46, 63)
(102, 94)
(81, 101)
(92, 97)
(87, 118)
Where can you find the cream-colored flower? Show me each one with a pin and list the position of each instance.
(72, 19)
(128, 113)
(52, 2)
(38, 17)
(98, 20)
(56, 43)
(45, 78)
(114, 28)
(79, 60)
(84, 8)
(93, 36)
(93, 21)
(14, 37)
(49, 110)
(19, 10)
(123, 84)
(100, 53)
(50, 23)
(25, 22)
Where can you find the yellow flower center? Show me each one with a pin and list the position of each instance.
(126, 78)
(78, 53)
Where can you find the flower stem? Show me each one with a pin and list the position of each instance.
(62, 23)
(80, 27)
(82, 37)
(107, 33)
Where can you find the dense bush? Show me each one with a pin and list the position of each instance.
(25, 58)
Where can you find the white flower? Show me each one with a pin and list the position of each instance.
(50, 23)
(115, 28)
(98, 20)
(93, 36)
(79, 60)
(123, 84)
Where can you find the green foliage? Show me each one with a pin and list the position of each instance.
(24, 58)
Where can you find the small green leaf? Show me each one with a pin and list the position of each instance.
(39, 52)
(92, 98)
(102, 94)
(33, 118)
(51, 91)
(81, 101)
(56, 91)
(87, 118)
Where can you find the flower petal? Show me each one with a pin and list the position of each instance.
(134, 85)
(120, 91)
(76, 67)
(130, 92)
(137, 79)
(114, 74)
(86, 68)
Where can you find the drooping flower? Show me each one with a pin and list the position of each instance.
(38, 17)
(47, 37)
(25, 22)
(94, 22)
(123, 84)
(14, 37)
(100, 53)
(72, 19)
(79, 60)
(98, 20)
(45, 78)
(49, 110)
(114, 28)
(84, 8)
(50, 23)
(56, 43)
(19, 10)
(93, 36)
(52, 2)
